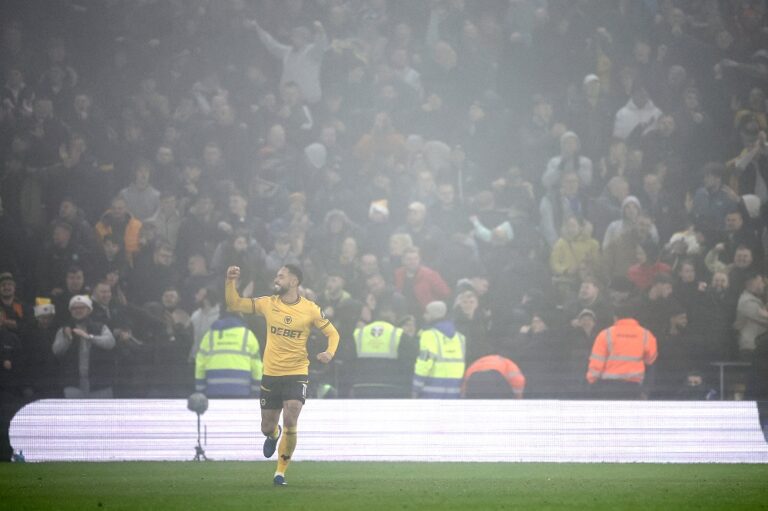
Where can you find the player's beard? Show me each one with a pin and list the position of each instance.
(279, 290)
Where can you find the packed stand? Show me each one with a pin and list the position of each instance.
(478, 183)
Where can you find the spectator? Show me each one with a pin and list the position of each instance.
(751, 315)
(474, 322)
(573, 251)
(147, 280)
(419, 284)
(748, 169)
(106, 311)
(638, 116)
(301, 59)
(171, 375)
(377, 292)
(340, 308)
(719, 311)
(41, 373)
(74, 284)
(207, 311)
(199, 231)
(581, 335)
(82, 231)
(630, 211)
(141, 198)
(538, 350)
(122, 226)
(556, 207)
(59, 253)
(84, 348)
(590, 115)
(654, 310)
(167, 219)
(593, 299)
(281, 255)
(647, 267)
(607, 208)
(110, 257)
(197, 277)
(11, 380)
(713, 201)
(241, 250)
(570, 160)
(447, 214)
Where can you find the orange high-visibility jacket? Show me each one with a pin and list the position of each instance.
(621, 352)
(502, 365)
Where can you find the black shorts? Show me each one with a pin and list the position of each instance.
(276, 389)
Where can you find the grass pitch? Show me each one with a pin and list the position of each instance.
(316, 486)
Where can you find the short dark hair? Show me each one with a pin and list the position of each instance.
(625, 309)
(714, 169)
(295, 271)
(212, 295)
(74, 269)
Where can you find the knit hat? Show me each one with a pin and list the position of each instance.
(43, 307)
(6, 276)
(631, 199)
(379, 206)
(591, 78)
(45, 310)
(586, 312)
(316, 155)
(435, 311)
(81, 300)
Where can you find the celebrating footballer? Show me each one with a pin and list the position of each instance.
(290, 318)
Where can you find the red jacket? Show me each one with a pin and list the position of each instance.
(428, 285)
(642, 275)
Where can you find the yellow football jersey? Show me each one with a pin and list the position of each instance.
(288, 329)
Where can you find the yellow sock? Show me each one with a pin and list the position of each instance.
(275, 433)
(285, 449)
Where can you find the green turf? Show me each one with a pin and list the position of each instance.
(315, 486)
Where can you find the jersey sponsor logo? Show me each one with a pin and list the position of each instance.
(376, 331)
(287, 320)
(286, 332)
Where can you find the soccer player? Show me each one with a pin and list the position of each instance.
(290, 318)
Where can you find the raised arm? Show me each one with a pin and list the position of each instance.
(278, 50)
(235, 302)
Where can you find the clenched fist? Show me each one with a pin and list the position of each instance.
(233, 273)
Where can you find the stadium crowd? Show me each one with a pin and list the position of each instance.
(509, 169)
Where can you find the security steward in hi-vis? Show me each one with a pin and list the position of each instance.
(290, 318)
(439, 370)
(619, 358)
(228, 363)
(384, 357)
